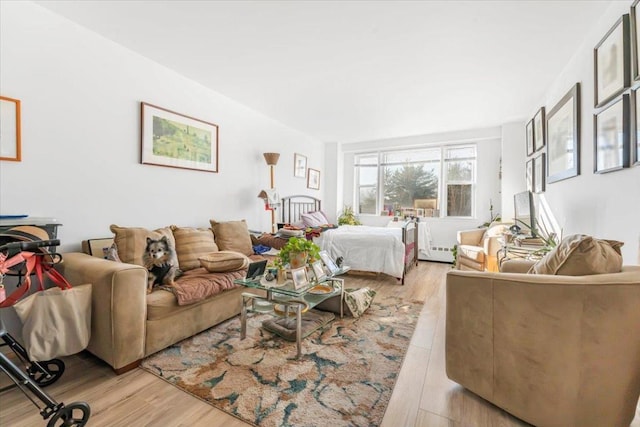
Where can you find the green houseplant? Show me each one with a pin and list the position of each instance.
(297, 252)
(348, 217)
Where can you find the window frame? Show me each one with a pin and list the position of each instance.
(443, 181)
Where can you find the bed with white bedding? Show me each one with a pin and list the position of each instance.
(390, 250)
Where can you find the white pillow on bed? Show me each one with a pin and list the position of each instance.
(314, 219)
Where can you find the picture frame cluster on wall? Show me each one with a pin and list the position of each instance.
(616, 143)
(536, 140)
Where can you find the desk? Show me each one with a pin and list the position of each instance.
(50, 225)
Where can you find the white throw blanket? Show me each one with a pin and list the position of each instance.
(375, 249)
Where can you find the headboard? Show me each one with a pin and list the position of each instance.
(293, 206)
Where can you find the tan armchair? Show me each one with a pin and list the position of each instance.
(478, 248)
(551, 350)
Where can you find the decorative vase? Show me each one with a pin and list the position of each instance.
(298, 259)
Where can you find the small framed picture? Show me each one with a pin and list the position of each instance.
(538, 130)
(635, 125)
(611, 137)
(530, 137)
(539, 173)
(331, 265)
(612, 60)
(10, 148)
(299, 276)
(529, 175)
(313, 179)
(299, 166)
(319, 272)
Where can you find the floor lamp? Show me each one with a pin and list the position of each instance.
(272, 160)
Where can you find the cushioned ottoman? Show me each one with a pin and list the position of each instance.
(312, 320)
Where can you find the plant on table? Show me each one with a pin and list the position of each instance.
(294, 247)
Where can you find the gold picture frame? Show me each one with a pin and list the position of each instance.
(10, 133)
(174, 140)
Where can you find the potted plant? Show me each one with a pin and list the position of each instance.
(297, 253)
(348, 217)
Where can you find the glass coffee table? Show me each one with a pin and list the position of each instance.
(287, 301)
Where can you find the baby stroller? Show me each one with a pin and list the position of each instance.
(37, 374)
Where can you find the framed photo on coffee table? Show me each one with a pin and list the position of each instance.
(299, 276)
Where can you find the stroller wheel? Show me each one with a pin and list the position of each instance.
(46, 373)
(75, 414)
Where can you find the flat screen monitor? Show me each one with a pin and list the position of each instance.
(525, 213)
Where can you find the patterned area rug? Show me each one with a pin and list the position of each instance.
(344, 378)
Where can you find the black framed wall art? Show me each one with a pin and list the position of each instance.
(538, 130)
(563, 137)
(529, 174)
(635, 40)
(635, 127)
(529, 130)
(611, 58)
(611, 130)
(539, 174)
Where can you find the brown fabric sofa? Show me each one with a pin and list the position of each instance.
(551, 350)
(127, 323)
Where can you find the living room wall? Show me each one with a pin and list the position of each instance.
(603, 205)
(81, 97)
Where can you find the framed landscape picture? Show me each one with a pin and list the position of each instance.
(529, 130)
(538, 130)
(563, 137)
(175, 140)
(612, 60)
(299, 165)
(538, 173)
(10, 148)
(611, 136)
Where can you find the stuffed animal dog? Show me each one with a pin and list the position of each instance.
(158, 258)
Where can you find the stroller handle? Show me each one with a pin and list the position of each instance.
(29, 246)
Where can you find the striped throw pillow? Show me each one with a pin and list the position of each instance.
(191, 244)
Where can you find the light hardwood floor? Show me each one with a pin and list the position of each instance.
(423, 396)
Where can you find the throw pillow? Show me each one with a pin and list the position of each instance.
(112, 253)
(356, 302)
(314, 219)
(191, 244)
(232, 236)
(132, 241)
(359, 300)
(581, 255)
(223, 261)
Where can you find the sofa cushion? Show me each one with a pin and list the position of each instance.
(232, 236)
(221, 261)
(581, 255)
(191, 244)
(132, 241)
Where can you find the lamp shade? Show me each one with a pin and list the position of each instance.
(271, 158)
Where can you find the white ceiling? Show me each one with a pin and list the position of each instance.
(347, 71)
